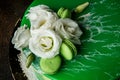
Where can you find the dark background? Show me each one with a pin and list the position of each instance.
(10, 12)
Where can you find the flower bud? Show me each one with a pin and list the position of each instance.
(30, 59)
(81, 7)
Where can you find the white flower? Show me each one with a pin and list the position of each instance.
(21, 37)
(69, 29)
(41, 16)
(45, 44)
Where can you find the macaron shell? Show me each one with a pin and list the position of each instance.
(66, 51)
(50, 65)
(68, 42)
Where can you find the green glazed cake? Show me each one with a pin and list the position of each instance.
(98, 56)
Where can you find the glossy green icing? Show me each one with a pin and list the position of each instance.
(99, 54)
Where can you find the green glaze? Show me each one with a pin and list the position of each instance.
(99, 54)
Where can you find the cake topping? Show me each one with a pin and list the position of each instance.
(41, 17)
(21, 37)
(68, 29)
(60, 11)
(70, 44)
(30, 59)
(49, 36)
(51, 65)
(81, 7)
(66, 14)
(45, 44)
(66, 51)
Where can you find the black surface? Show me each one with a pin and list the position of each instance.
(10, 12)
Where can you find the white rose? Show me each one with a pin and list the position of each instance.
(69, 29)
(21, 37)
(41, 16)
(45, 44)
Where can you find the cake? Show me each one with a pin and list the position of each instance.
(98, 54)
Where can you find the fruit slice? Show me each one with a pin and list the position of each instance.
(66, 51)
(30, 59)
(50, 65)
(69, 43)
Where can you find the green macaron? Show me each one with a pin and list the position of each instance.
(64, 13)
(50, 65)
(69, 43)
(60, 11)
(68, 50)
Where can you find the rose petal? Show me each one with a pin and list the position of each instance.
(34, 44)
(21, 37)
